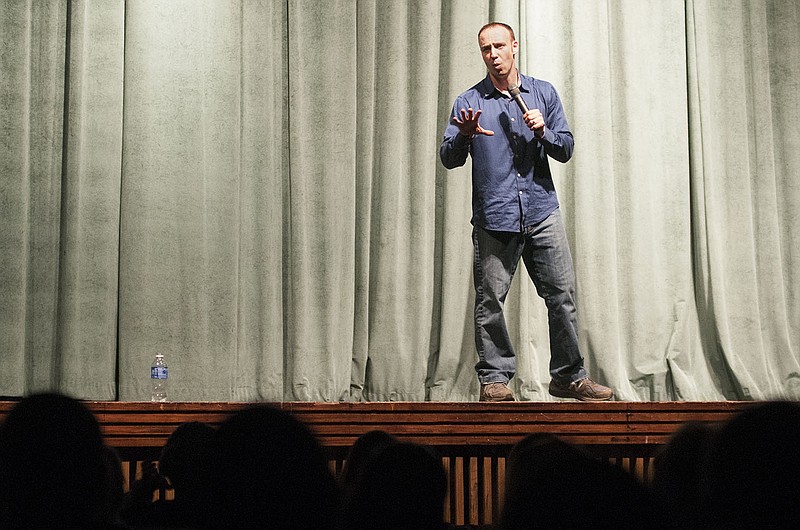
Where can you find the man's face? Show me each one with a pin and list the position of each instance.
(498, 51)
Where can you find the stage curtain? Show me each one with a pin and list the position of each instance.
(252, 188)
(61, 112)
(744, 88)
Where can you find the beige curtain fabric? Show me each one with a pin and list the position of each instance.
(252, 188)
(744, 86)
(32, 62)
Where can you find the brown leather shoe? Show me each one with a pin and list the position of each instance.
(583, 389)
(496, 392)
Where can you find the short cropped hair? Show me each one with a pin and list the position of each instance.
(497, 24)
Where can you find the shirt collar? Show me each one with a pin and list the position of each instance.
(489, 90)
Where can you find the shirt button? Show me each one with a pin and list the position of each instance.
(513, 119)
(520, 193)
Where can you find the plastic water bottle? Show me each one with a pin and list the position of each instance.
(158, 376)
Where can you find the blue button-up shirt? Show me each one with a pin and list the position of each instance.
(512, 187)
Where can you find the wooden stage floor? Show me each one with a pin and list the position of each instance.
(472, 438)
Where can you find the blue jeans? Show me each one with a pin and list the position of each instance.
(544, 250)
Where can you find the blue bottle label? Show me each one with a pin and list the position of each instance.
(158, 372)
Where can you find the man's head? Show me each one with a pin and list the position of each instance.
(498, 47)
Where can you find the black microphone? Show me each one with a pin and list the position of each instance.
(513, 90)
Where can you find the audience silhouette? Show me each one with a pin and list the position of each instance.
(179, 466)
(266, 470)
(553, 484)
(678, 470)
(401, 486)
(364, 448)
(752, 476)
(263, 469)
(53, 471)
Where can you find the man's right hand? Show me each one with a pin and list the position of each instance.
(468, 124)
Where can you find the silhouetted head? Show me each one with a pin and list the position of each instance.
(553, 484)
(678, 468)
(402, 486)
(753, 473)
(266, 470)
(182, 455)
(365, 447)
(52, 464)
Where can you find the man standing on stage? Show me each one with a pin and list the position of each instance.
(515, 214)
